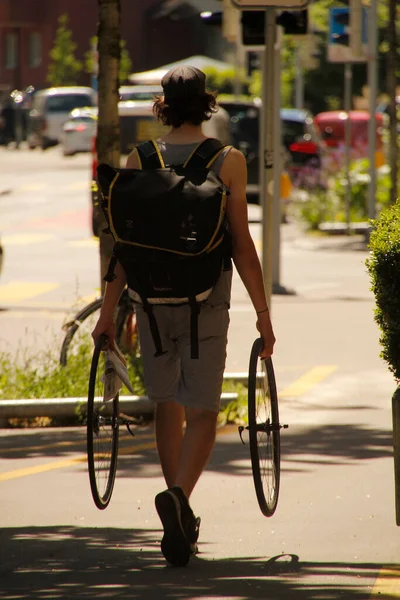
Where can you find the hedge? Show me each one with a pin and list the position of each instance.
(383, 266)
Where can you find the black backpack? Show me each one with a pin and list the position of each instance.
(169, 227)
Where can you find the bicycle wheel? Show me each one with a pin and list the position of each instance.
(264, 430)
(396, 451)
(102, 432)
(78, 341)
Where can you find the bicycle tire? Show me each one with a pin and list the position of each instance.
(396, 451)
(264, 430)
(74, 325)
(102, 423)
(126, 328)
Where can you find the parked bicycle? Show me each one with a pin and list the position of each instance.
(79, 329)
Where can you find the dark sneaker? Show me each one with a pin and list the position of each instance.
(181, 528)
(193, 534)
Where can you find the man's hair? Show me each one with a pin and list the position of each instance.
(193, 109)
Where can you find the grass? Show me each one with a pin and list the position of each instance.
(29, 375)
(39, 375)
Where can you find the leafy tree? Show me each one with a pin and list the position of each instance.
(64, 68)
(125, 67)
(324, 85)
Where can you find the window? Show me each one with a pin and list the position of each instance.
(34, 49)
(64, 103)
(11, 50)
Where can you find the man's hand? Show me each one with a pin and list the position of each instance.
(264, 326)
(106, 327)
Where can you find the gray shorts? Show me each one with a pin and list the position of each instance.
(175, 376)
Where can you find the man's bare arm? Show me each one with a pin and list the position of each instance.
(234, 175)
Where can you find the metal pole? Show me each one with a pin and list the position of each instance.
(299, 81)
(347, 107)
(277, 207)
(267, 149)
(373, 85)
(237, 84)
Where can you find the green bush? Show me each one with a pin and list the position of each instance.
(320, 205)
(40, 375)
(384, 270)
(359, 183)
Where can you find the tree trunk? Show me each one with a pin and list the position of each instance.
(391, 83)
(108, 134)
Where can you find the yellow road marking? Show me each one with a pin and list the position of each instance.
(67, 462)
(88, 243)
(31, 187)
(387, 584)
(16, 291)
(299, 387)
(78, 185)
(23, 239)
(90, 297)
(307, 381)
(66, 443)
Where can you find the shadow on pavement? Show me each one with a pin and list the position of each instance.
(331, 444)
(68, 562)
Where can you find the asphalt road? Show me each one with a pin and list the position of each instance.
(334, 533)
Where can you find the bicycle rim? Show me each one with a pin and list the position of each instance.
(77, 341)
(102, 434)
(264, 430)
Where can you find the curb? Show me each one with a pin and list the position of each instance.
(68, 407)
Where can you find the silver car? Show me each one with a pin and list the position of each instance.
(50, 110)
(78, 131)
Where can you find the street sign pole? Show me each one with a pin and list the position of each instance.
(277, 169)
(267, 149)
(348, 76)
(372, 84)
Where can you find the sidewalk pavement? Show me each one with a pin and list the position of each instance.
(242, 330)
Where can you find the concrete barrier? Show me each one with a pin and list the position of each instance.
(68, 407)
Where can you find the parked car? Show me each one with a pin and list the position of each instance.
(51, 108)
(332, 125)
(139, 92)
(303, 150)
(78, 131)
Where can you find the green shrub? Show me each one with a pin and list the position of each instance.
(384, 270)
(319, 205)
(359, 184)
(40, 375)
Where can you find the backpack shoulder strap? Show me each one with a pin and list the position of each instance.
(205, 154)
(149, 155)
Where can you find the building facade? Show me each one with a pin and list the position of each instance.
(156, 32)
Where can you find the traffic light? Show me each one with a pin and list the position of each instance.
(253, 62)
(341, 33)
(253, 26)
(294, 22)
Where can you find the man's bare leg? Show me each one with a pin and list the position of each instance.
(170, 417)
(196, 447)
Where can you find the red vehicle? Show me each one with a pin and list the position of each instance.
(332, 125)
